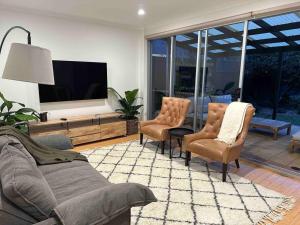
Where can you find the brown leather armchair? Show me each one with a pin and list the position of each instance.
(172, 114)
(203, 143)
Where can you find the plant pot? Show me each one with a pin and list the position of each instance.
(132, 126)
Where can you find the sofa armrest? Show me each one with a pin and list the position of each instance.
(57, 141)
(103, 205)
(50, 221)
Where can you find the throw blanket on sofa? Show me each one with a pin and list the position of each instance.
(233, 121)
(43, 155)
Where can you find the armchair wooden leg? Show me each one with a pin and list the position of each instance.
(225, 167)
(187, 158)
(237, 163)
(162, 145)
(141, 138)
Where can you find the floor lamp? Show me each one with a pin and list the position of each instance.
(28, 63)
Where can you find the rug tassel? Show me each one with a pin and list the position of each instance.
(278, 213)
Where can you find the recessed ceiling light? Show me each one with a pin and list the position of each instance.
(141, 12)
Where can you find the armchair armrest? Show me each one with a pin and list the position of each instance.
(187, 139)
(148, 122)
(233, 151)
(103, 205)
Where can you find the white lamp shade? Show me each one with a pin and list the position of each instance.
(29, 63)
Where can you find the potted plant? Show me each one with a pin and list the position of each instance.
(129, 109)
(11, 117)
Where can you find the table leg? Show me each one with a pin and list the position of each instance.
(187, 158)
(292, 146)
(180, 145)
(275, 136)
(162, 144)
(179, 142)
(289, 130)
(170, 156)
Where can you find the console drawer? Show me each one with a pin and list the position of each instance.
(74, 132)
(85, 139)
(113, 129)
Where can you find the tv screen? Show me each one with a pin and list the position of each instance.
(75, 81)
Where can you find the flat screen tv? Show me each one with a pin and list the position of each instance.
(75, 81)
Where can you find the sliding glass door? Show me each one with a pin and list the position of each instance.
(272, 70)
(160, 74)
(224, 51)
(205, 68)
(221, 59)
(255, 61)
(185, 70)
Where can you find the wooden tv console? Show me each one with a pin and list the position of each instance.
(82, 129)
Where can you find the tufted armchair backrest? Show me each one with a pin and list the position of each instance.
(215, 117)
(216, 113)
(173, 111)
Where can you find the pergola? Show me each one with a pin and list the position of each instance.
(277, 33)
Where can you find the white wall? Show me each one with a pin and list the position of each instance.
(121, 48)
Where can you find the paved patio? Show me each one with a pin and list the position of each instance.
(260, 147)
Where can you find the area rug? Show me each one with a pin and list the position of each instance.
(187, 195)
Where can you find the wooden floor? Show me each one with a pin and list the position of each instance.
(266, 177)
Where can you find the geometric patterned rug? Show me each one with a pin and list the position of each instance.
(186, 195)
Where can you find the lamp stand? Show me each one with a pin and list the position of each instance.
(12, 28)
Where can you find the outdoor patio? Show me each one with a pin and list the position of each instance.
(261, 148)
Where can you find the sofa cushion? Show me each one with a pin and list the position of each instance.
(296, 136)
(10, 214)
(57, 141)
(23, 184)
(227, 99)
(103, 204)
(68, 180)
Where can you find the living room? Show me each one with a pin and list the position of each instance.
(122, 86)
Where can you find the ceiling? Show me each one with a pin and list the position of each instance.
(124, 12)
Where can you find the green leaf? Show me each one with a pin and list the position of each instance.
(9, 105)
(115, 92)
(8, 117)
(5, 114)
(120, 110)
(10, 120)
(136, 107)
(131, 96)
(23, 128)
(19, 103)
(2, 97)
(24, 117)
(6, 103)
(124, 103)
(2, 107)
(25, 110)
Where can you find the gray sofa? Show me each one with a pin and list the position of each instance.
(82, 195)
